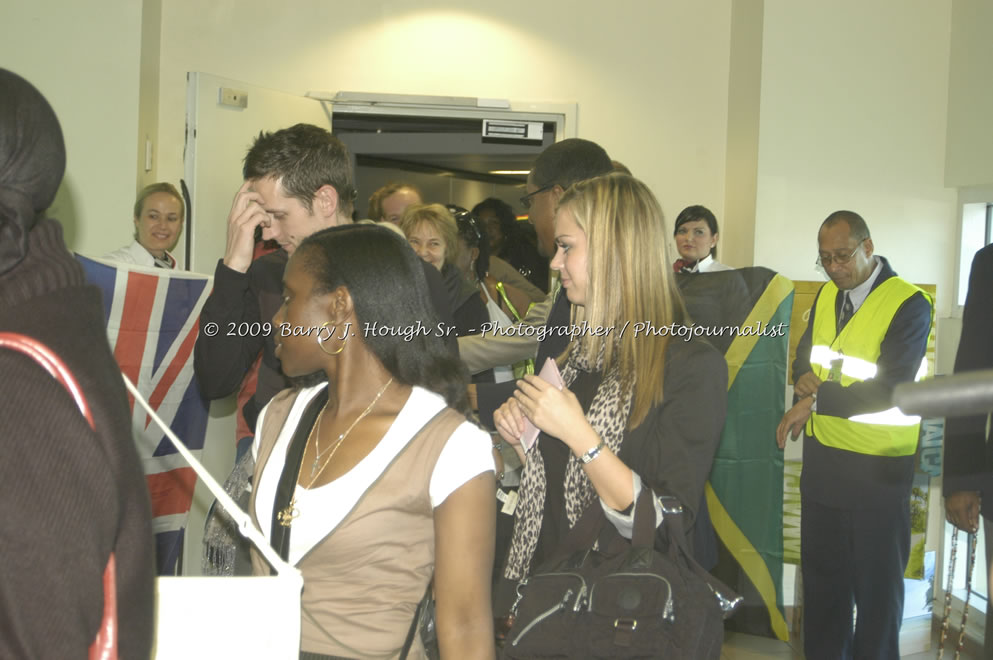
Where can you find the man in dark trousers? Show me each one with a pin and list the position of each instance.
(968, 471)
(867, 332)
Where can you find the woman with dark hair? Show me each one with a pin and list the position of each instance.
(72, 492)
(507, 295)
(696, 240)
(372, 480)
(508, 241)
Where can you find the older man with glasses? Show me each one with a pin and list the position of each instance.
(868, 331)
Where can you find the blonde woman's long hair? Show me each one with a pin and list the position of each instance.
(629, 280)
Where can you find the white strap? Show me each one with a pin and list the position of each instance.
(243, 520)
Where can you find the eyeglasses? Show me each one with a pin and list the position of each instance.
(526, 200)
(841, 260)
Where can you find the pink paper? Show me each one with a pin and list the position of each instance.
(550, 374)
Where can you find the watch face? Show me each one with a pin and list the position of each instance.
(835, 373)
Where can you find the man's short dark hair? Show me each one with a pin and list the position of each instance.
(303, 158)
(566, 162)
(856, 225)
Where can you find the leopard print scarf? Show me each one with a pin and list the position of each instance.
(608, 414)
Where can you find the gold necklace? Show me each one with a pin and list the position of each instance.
(288, 514)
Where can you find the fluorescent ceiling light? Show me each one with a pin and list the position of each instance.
(511, 172)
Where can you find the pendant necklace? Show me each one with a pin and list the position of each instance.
(288, 514)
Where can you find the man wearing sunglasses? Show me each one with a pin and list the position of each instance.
(868, 331)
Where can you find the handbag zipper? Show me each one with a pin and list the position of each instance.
(668, 612)
(561, 605)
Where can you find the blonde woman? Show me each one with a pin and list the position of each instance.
(158, 223)
(431, 231)
(639, 409)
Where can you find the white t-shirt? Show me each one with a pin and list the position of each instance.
(137, 254)
(466, 454)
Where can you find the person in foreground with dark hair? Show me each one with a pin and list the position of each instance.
(373, 480)
(298, 180)
(696, 241)
(71, 495)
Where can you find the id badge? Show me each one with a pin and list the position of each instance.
(835, 374)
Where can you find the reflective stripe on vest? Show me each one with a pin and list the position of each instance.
(884, 433)
(854, 367)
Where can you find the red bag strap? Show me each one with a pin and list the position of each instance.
(53, 364)
(104, 646)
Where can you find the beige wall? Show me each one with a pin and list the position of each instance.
(970, 95)
(650, 79)
(852, 98)
(853, 116)
(84, 57)
(148, 93)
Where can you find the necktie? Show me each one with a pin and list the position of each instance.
(847, 309)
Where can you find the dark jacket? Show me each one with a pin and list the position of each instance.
(968, 463)
(69, 496)
(220, 361)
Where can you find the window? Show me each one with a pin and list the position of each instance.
(977, 232)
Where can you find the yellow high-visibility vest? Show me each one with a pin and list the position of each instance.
(850, 357)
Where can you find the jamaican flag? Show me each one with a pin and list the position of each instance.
(746, 314)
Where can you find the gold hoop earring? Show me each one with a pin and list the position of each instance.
(320, 341)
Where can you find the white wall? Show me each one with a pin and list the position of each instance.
(84, 57)
(853, 116)
(970, 95)
(650, 78)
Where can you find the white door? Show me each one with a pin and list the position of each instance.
(219, 132)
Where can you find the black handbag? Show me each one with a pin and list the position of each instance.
(622, 600)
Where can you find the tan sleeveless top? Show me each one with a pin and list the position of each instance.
(363, 582)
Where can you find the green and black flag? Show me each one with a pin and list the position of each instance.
(746, 314)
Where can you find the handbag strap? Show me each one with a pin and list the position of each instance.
(414, 625)
(51, 363)
(593, 523)
(104, 646)
(279, 534)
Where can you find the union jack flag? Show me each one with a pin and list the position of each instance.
(152, 318)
